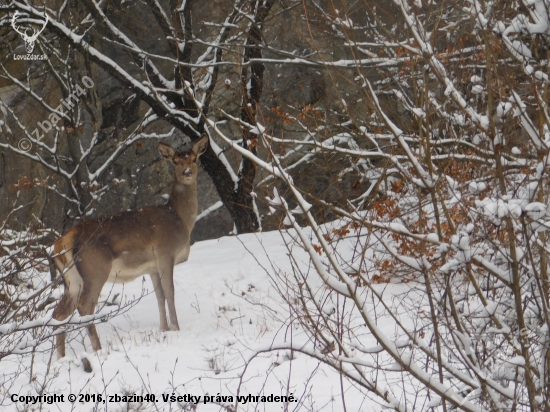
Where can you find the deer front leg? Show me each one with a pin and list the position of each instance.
(161, 300)
(167, 281)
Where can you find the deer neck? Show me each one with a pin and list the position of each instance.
(183, 200)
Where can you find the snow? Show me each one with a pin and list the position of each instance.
(477, 187)
(476, 79)
(209, 210)
(477, 89)
(276, 201)
(229, 310)
(419, 112)
(516, 361)
(258, 129)
(535, 210)
(541, 76)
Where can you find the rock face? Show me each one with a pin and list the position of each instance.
(108, 113)
(137, 178)
(58, 180)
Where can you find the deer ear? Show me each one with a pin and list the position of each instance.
(166, 150)
(200, 146)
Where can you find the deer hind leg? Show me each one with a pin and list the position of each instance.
(86, 306)
(64, 309)
(166, 273)
(94, 265)
(161, 300)
(68, 303)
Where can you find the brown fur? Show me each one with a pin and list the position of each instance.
(64, 243)
(122, 247)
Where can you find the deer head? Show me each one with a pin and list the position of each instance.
(29, 34)
(185, 162)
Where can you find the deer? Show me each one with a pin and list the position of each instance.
(131, 244)
(24, 33)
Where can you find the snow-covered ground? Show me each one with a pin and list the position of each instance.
(228, 310)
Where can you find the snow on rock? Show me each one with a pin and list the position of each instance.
(476, 79)
(453, 185)
(451, 265)
(496, 209)
(516, 361)
(541, 76)
(535, 210)
(477, 89)
(433, 236)
(477, 187)
(503, 108)
(515, 206)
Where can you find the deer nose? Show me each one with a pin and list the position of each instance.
(187, 172)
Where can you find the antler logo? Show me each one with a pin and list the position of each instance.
(29, 34)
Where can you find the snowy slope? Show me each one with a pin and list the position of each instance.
(228, 309)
